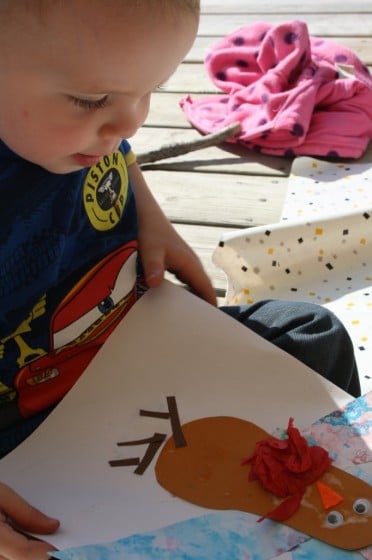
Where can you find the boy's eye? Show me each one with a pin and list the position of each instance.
(89, 103)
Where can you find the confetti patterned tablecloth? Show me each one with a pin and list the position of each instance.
(231, 535)
(320, 251)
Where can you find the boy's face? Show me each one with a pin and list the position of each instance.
(76, 81)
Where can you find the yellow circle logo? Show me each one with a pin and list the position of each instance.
(105, 191)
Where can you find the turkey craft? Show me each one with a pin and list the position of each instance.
(230, 463)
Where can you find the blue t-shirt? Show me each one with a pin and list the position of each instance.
(68, 263)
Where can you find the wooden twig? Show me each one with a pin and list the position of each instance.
(173, 150)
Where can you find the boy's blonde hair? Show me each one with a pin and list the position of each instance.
(8, 6)
(12, 12)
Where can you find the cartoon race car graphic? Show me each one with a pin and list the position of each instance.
(79, 326)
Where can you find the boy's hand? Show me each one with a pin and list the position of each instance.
(161, 249)
(16, 512)
(160, 246)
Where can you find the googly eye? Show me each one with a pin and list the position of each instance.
(334, 519)
(361, 506)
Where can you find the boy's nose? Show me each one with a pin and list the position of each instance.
(124, 122)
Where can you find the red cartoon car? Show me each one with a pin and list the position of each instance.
(79, 326)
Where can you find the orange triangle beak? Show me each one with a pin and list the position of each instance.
(329, 497)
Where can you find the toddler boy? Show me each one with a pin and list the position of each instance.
(76, 78)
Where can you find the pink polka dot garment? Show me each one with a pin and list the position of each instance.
(293, 94)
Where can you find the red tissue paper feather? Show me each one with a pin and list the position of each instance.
(285, 467)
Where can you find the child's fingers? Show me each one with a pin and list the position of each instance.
(14, 546)
(198, 281)
(23, 514)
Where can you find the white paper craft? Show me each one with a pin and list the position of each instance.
(170, 343)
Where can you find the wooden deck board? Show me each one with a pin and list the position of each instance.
(362, 46)
(321, 24)
(218, 199)
(290, 7)
(219, 189)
